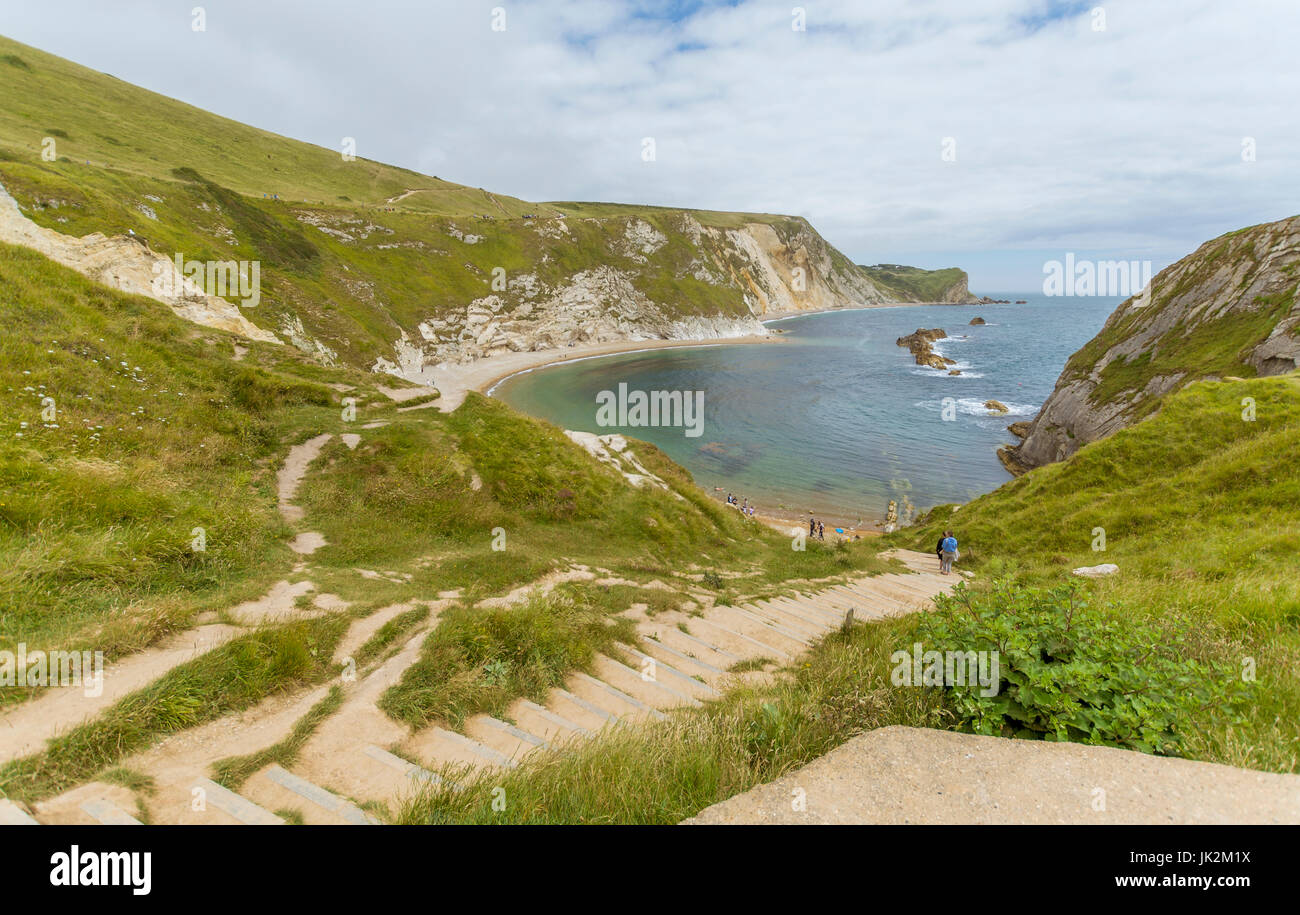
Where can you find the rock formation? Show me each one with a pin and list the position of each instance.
(1231, 308)
(919, 344)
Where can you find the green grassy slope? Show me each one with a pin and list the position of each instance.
(912, 284)
(150, 430)
(97, 118)
(1197, 506)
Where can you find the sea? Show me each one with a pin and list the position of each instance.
(837, 419)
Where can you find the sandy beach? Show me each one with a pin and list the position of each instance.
(454, 380)
(788, 521)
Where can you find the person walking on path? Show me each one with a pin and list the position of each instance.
(812, 527)
(948, 553)
(821, 530)
(938, 552)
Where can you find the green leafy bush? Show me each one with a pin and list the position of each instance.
(1071, 672)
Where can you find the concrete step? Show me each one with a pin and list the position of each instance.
(689, 644)
(416, 774)
(799, 637)
(586, 686)
(744, 645)
(840, 602)
(108, 813)
(755, 628)
(575, 708)
(652, 689)
(344, 809)
(13, 815)
(449, 748)
(865, 603)
(510, 741)
(787, 619)
(684, 662)
(818, 606)
(879, 603)
(236, 805)
(677, 678)
(546, 724)
(902, 587)
(796, 615)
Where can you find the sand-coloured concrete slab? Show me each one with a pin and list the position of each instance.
(917, 775)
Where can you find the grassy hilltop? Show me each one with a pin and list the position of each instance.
(912, 284)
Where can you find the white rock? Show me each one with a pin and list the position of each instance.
(1107, 568)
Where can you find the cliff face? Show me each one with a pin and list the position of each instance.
(661, 275)
(1231, 308)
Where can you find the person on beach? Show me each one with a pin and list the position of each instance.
(821, 530)
(948, 554)
(938, 553)
(812, 527)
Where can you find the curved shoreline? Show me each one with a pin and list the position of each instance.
(654, 346)
(485, 375)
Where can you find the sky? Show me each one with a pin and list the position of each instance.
(992, 135)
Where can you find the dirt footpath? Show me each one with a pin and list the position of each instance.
(916, 775)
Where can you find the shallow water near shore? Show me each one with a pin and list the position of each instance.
(839, 419)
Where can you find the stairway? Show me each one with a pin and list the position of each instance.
(678, 660)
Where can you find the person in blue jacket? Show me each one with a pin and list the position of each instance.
(948, 553)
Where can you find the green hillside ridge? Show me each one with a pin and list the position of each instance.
(913, 284)
(364, 254)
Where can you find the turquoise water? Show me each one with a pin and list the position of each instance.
(838, 419)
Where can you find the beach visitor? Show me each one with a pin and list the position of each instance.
(949, 554)
(821, 530)
(812, 527)
(938, 552)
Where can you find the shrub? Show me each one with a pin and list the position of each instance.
(1070, 672)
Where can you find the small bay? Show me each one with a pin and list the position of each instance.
(837, 419)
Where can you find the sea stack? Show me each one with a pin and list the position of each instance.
(919, 345)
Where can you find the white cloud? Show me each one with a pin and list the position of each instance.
(1125, 140)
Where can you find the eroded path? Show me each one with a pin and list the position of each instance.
(26, 727)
